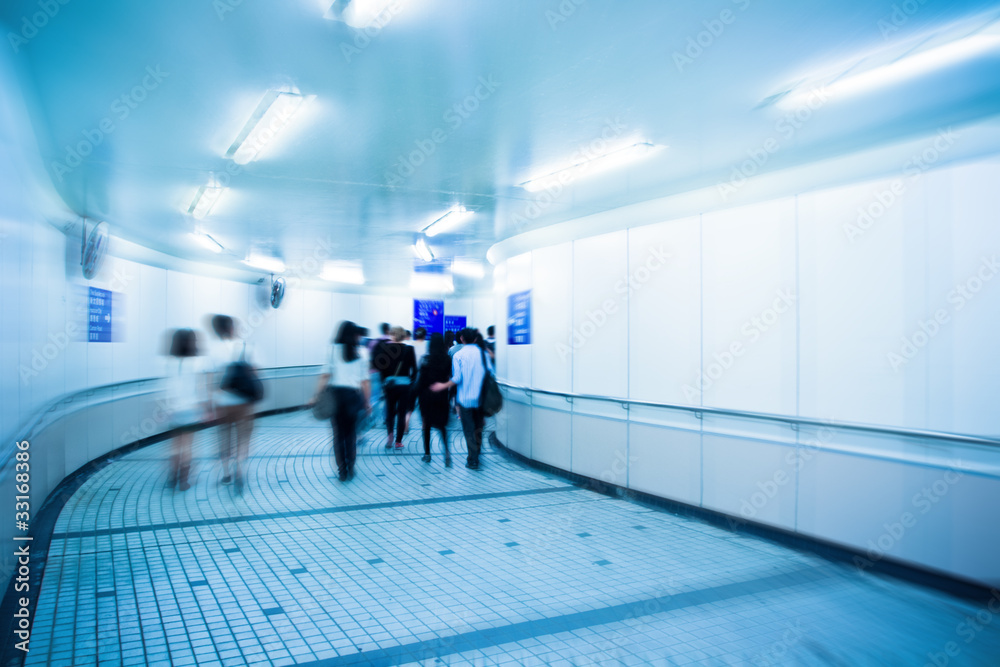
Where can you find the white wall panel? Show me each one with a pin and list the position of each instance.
(600, 449)
(749, 348)
(551, 328)
(550, 437)
(600, 315)
(749, 479)
(664, 306)
(665, 462)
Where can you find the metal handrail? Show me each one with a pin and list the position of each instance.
(793, 422)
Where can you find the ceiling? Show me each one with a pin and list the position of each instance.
(552, 77)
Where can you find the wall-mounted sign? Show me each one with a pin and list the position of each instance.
(99, 317)
(428, 314)
(454, 322)
(519, 318)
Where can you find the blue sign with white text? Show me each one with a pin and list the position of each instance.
(454, 322)
(99, 315)
(429, 315)
(519, 318)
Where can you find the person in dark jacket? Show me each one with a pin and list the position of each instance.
(435, 366)
(397, 366)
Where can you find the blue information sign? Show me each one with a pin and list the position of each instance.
(429, 315)
(99, 317)
(519, 318)
(454, 322)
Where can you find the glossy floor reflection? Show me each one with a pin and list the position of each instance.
(413, 563)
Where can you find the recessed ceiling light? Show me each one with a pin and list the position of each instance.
(272, 114)
(349, 273)
(206, 198)
(603, 162)
(449, 221)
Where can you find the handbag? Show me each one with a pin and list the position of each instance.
(325, 405)
(397, 380)
(241, 379)
(490, 397)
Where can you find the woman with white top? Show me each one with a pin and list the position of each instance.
(234, 412)
(347, 373)
(186, 401)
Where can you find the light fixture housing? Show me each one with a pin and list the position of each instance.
(270, 117)
(204, 200)
(432, 282)
(349, 273)
(362, 14)
(468, 268)
(422, 250)
(455, 216)
(610, 159)
(265, 262)
(208, 242)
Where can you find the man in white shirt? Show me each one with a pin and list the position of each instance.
(468, 373)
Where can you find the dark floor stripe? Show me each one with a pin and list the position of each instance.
(313, 512)
(473, 640)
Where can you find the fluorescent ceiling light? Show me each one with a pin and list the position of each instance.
(350, 273)
(268, 119)
(908, 67)
(265, 263)
(208, 242)
(422, 250)
(364, 13)
(449, 221)
(431, 282)
(603, 162)
(206, 197)
(468, 268)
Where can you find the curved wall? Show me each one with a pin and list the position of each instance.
(869, 303)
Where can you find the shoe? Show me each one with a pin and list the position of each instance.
(447, 463)
(472, 466)
(399, 445)
(342, 477)
(426, 458)
(228, 479)
(238, 485)
(184, 486)
(350, 474)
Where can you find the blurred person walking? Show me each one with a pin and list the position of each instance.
(233, 410)
(469, 368)
(347, 373)
(398, 367)
(435, 367)
(187, 401)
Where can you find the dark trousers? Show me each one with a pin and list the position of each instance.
(397, 404)
(472, 425)
(427, 439)
(345, 425)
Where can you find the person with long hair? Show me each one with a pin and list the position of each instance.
(234, 412)
(186, 403)
(435, 366)
(347, 373)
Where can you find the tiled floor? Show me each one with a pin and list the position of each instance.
(413, 563)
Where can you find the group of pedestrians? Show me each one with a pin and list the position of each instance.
(425, 373)
(408, 377)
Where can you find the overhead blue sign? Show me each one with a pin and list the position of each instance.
(454, 322)
(99, 315)
(519, 318)
(428, 314)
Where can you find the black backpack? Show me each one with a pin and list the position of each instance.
(490, 398)
(241, 379)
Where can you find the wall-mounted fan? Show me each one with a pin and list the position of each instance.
(277, 291)
(270, 291)
(94, 248)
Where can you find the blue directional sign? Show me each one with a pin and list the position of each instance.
(99, 320)
(454, 322)
(519, 318)
(428, 314)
